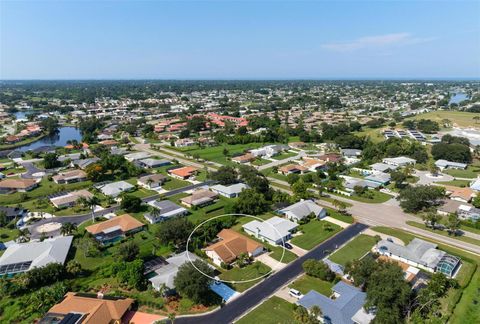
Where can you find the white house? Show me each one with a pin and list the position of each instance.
(302, 209)
(137, 156)
(274, 230)
(399, 161)
(114, 189)
(444, 164)
(230, 191)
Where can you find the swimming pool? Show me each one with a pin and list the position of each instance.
(223, 290)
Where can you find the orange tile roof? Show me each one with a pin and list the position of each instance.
(97, 310)
(291, 167)
(242, 158)
(108, 142)
(464, 193)
(125, 222)
(184, 172)
(233, 244)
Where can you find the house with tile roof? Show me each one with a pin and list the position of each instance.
(183, 172)
(199, 198)
(115, 228)
(71, 176)
(151, 181)
(12, 185)
(82, 308)
(231, 246)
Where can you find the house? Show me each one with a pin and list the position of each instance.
(76, 308)
(464, 195)
(115, 228)
(345, 306)
(302, 209)
(71, 156)
(153, 163)
(199, 198)
(164, 276)
(469, 212)
(118, 150)
(70, 177)
(137, 156)
(399, 161)
(13, 212)
(245, 158)
(184, 142)
(444, 164)
(274, 230)
(449, 206)
(475, 184)
(351, 153)
(230, 191)
(83, 164)
(183, 172)
(383, 167)
(69, 199)
(231, 246)
(351, 182)
(17, 185)
(269, 150)
(23, 257)
(292, 168)
(152, 181)
(108, 142)
(312, 164)
(167, 210)
(381, 178)
(114, 189)
(331, 158)
(420, 254)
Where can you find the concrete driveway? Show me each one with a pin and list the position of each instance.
(271, 262)
(425, 178)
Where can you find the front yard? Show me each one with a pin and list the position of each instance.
(253, 272)
(314, 233)
(274, 310)
(306, 283)
(353, 250)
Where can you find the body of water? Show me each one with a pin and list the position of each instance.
(58, 139)
(458, 98)
(22, 114)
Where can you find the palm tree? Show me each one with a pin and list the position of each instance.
(68, 228)
(316, 311)
(24, 235)
(90, 203)
(149, 182)
(453, 223)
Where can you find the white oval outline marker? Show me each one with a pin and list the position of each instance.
(234, 281)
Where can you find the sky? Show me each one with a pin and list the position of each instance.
(239, 39)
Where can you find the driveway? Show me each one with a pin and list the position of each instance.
(280, 162)
(271, 262)
(425, 178)
(254, 296)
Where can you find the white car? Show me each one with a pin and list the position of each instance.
(295, 293)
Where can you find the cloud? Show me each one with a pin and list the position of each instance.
(376, 42)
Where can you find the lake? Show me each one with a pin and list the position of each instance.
(58, 139)
(458, 98)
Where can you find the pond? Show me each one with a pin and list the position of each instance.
(58, 139)
(458, 98)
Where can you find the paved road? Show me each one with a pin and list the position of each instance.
(239, 306)
(78, 219)
(424, 178)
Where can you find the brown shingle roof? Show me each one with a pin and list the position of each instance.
(199, 196)
(17, 183)
(125, 222)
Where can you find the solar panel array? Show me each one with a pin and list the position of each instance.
(15, 267)
(154, 264)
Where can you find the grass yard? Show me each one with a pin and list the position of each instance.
(260, 161)
(314, 234)
(277, 252)
(458, 118)
(375, 134)
(377, 197)
(220, 207)
(339, 216)
(306, 283)
(249, 272)
(274, 310)
(444, 233)
(470, 173)
(284, 155)
(8, 234)
(174, 183)
(353, 250)
(404, 236)
(215, 153)
(269, 173)
(456, 183)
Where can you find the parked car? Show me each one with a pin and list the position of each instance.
(295, 293)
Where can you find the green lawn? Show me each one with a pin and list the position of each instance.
(284, 155)
(269, 173)
(259, 161)
(306, 283)
(456, 183)
(470, 173)
(274, 310)
(215, 153)
(458, 118)
(377, 197)
(339, 216)
(252, 271)
(277, 252)
(404, 236)
(375, 134)
(314, 234)
(174, 183)
(8, 234)
(444, 233)
(353, 250)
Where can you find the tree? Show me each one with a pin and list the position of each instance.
(50, 161)
(398, 178)
(453, 223)
(431, 219)
(3, 218)
(128, 251)
(420, 198)
(476, 201)
(89, 203)
(73, 268)
(433, 168)
(44, 298)
(300, 189)
(175, 231)
(251, 202)
(225, 175)
(452, 152)
(318, 269)
(193, 284)
(131, 204)
(68, 228)
(130, 274)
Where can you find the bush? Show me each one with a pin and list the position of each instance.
(318, 269)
